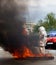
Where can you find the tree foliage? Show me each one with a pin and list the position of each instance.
(49, 22)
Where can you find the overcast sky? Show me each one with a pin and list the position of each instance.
(38, 9)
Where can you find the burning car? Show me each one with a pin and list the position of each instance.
(13, 36)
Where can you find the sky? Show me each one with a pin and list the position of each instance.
(38, 9)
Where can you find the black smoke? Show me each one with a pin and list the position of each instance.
(12, 19)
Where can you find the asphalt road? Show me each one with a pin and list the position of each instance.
(7, 59)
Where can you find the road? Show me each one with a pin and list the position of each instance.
(7, 59)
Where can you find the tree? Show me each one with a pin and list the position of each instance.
(49, 22)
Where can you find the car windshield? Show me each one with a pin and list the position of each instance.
(51, 34)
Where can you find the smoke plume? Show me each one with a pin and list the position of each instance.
(12, 19)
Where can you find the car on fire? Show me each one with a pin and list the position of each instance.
(51, 39)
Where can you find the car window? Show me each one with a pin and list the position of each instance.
(51, 35)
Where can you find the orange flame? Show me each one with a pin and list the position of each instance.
(25, 53)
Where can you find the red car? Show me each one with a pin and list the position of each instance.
(51, 39)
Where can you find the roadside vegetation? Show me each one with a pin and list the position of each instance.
(49, 22)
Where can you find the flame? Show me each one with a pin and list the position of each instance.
(16, 54)
(25, 53)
